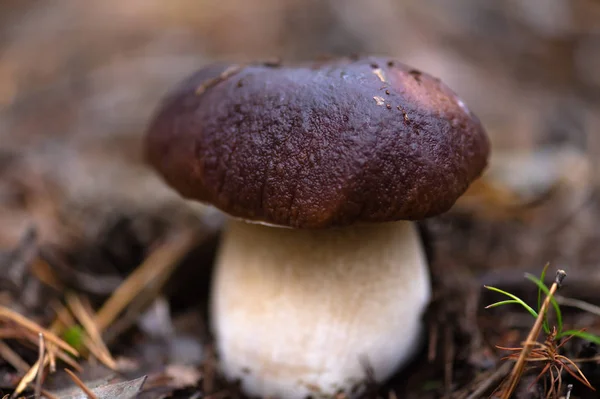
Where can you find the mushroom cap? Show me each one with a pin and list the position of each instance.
(318, 145)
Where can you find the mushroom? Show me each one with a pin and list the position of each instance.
(323, 169)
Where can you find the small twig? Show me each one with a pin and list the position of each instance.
(49, 395)
(99, 353)
(13, 358)
(586, 359)
(52, 357)
(28, 377)
(519, 366)
(33, 327)
(137, 306)
(162, 260)
(64, 357)
(52, 350)
(81, 385)
(40, 371)
(95, 343)
(11, 332)
(57, 327)
(64, 318)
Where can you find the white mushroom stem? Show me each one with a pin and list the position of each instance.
(299, 313)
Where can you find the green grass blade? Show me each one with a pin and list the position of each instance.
(507, 302)
(543, 287)
(580, 334)
(546, 326)
(542, 278)
(515, 298)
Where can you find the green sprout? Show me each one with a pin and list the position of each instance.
(547, 354)
(543, 289)
(74, 337)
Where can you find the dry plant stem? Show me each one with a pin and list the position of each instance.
(13, 358)
(56, 352)
(104, 357)
(137, 306)
(6, 313)
(48, 395)
(52, 357)
(10, 332)
(162, 260)
(40, 372)
(29, 377)
(64, 357)
(57, 327)
(519, 366)
(95, 343)
(63, 319)
(81, 385)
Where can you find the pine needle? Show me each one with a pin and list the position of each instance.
(519, 366)
(161, 261)
(81, 385)
(15, 317)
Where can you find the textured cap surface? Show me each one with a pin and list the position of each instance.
(321, 145)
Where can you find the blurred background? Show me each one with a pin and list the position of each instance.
(80, 79)
(78, 73)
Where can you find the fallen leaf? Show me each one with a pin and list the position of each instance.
(119, 390)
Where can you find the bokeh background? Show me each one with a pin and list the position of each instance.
(89, 73)
(80, 79)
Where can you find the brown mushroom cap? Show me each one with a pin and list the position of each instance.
(321, 145)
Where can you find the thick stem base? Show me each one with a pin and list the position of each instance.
(299, 313)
